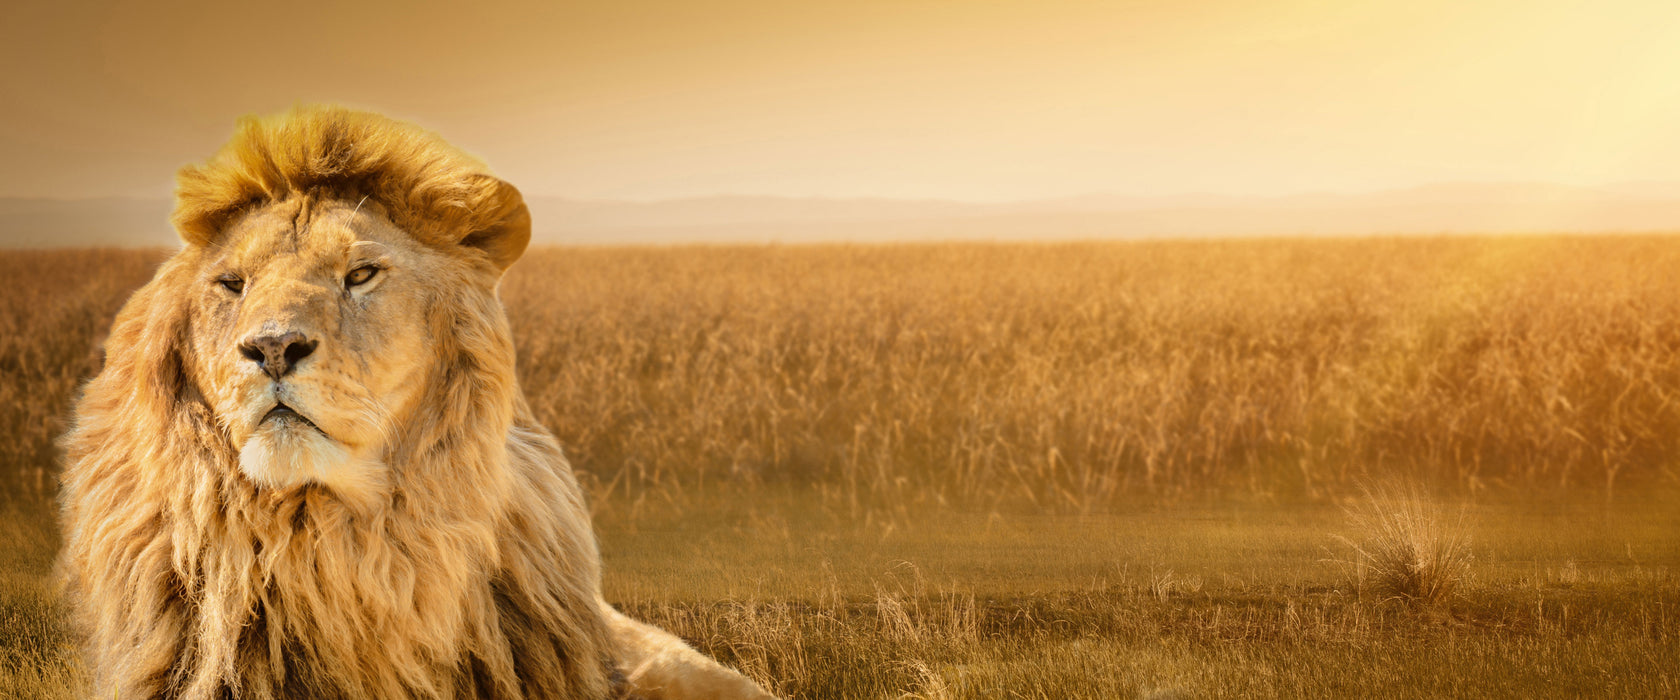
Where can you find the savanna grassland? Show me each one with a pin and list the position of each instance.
(1299, 468)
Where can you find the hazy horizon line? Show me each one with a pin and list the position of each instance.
(1615, 186)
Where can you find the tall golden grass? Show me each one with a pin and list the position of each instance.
(55, 307)
(1068, 377)
(1061, 377)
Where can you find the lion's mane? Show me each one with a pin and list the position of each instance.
(479, 577)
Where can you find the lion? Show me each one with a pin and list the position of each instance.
(306, 469)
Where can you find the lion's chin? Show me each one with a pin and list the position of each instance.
(290, 453)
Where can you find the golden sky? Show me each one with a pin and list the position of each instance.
(966, 100)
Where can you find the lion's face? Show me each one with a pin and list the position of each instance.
(309, 336)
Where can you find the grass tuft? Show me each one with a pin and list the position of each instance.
(1412, 548)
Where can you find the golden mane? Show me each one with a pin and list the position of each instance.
(191, 582)
(427, 187)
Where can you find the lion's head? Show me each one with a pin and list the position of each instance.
(331, 253)
(306, 468)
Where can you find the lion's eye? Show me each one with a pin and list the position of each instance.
(232, 283)
(360, 276)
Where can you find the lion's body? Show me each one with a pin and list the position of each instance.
(427, 541)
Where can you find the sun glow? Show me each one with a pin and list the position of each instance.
(979, 101)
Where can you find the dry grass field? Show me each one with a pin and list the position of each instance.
(1147, 469)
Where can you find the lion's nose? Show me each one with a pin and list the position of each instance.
(278, 354)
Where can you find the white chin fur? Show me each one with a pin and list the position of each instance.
(282, 454)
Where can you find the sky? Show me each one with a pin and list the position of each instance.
(974, 100)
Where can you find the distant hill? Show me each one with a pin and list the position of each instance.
(82, 223)
(1435, 209)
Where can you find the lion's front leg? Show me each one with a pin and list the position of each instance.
(659, 666)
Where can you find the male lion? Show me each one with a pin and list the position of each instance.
(306, 469)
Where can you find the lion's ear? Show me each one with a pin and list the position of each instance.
(503, 227)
